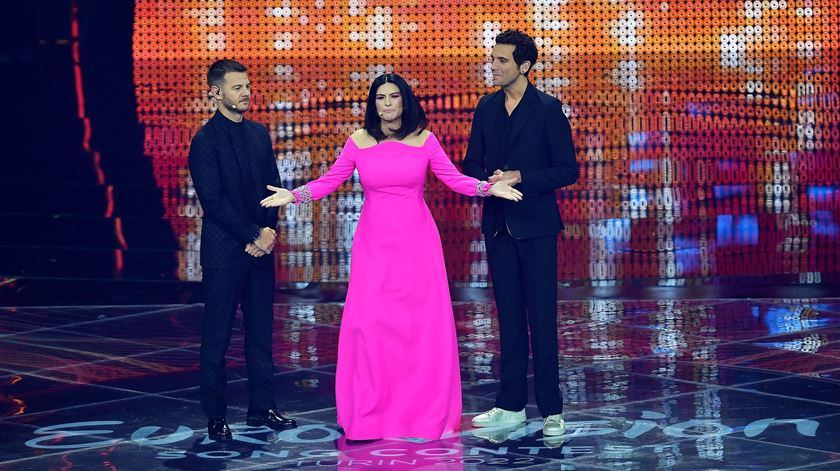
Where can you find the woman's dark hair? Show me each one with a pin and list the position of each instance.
(524, 47)
(413, 117)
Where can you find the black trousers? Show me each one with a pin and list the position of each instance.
(525, 286)
(252, 286)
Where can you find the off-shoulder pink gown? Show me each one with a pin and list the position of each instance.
(397, 373)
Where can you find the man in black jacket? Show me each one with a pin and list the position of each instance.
(231, 162)
(520, 133)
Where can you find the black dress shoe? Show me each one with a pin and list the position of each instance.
(271, 419)
(217, 429)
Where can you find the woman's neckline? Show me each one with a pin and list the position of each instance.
(394, 141)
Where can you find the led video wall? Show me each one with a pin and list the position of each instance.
(708, 133)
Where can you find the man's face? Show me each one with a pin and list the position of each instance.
(235, 92)
(504, 68)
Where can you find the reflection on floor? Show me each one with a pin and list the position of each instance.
(690, 384)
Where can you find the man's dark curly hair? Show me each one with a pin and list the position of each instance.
(525, 49)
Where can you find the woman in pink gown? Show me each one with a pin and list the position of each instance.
(397, 372)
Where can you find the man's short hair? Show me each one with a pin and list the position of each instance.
(524, 47)
(216, 74)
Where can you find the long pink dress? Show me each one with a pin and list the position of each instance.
(397, 372)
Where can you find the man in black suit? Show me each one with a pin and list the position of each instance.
(520, 133)
(231, 162)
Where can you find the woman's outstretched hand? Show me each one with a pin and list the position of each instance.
(503, 189)
(281, 197)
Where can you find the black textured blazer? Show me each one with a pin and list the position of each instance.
(230, 164)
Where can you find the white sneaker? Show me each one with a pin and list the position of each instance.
(554, 425)
(498, 417)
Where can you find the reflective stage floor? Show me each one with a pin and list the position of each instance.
(677, 384)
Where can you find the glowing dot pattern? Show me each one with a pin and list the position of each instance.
(707, 132)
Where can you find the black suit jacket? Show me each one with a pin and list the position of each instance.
(230, 176)
(540, 147)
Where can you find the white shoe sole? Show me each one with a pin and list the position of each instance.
(553, 434)
(502, 423)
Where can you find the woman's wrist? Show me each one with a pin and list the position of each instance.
(302, 195)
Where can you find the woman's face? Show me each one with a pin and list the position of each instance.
(389, 105)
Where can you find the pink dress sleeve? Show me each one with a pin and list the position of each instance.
(445, 170)
(330, 181)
